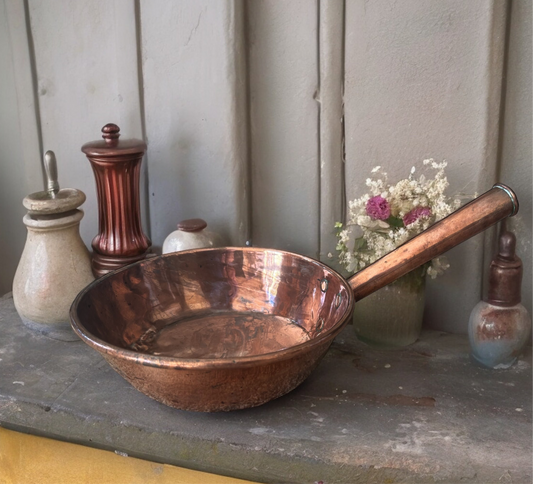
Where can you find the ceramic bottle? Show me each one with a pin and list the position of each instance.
(55, 263)
(191, 234)
(500, 326)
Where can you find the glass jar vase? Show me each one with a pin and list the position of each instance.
(392, 316)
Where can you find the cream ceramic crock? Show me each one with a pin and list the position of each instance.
(55, 264)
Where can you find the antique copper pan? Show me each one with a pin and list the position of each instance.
(223, 329)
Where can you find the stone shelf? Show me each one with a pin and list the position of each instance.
(424, 413)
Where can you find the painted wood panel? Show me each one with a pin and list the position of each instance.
(29, 458)
(20, 166)
(426, 83)
(242, 101)
(516, 162)
(283, 76)
(194, 93)
(87, 76)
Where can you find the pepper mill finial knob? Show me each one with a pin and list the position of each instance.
(111, 132)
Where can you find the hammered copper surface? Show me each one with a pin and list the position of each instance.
(230, 328)
(266, 316)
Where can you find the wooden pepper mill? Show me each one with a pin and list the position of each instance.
(117, 166)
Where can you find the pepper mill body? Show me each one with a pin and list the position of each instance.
(500, 326)
(116, 166)
(55, 263)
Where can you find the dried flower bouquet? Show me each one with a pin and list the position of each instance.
(389, 215)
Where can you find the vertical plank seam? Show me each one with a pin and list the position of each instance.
(343, 121)
(237, 65)
(319, 128)
(503, 94)
(140, 78)
(35, 86)
(236, 71)
(330, 98)
(490, 236)
(248, 124)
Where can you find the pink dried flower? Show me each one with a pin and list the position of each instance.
(415, 214)
(378, 208)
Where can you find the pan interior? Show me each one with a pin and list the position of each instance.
(223, 335)
(216, 303)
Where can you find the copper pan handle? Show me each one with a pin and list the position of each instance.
(491, 207)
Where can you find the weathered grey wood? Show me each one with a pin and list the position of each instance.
(194, 92)
(516, 162)
(414, 91)
(283, 74)
(419, 82)
(79, 49)
(20, 152)
(130, 106)
(330, 98)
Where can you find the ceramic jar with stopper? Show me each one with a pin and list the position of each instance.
(500, 326)
(191, 234)
(55, 263)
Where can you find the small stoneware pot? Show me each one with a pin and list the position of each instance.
(191, 234)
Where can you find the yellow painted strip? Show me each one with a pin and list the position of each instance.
(27, 459)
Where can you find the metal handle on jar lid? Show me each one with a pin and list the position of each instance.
(50, 166)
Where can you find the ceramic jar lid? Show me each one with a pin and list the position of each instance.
(192, 225)
(54, 200)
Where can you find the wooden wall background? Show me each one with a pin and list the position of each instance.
(264, 116)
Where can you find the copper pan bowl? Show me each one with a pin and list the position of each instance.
(223, 329)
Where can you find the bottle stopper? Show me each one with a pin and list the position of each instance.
(505, 276)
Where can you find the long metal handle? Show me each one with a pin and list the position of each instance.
(491, 207)
(50, 166)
